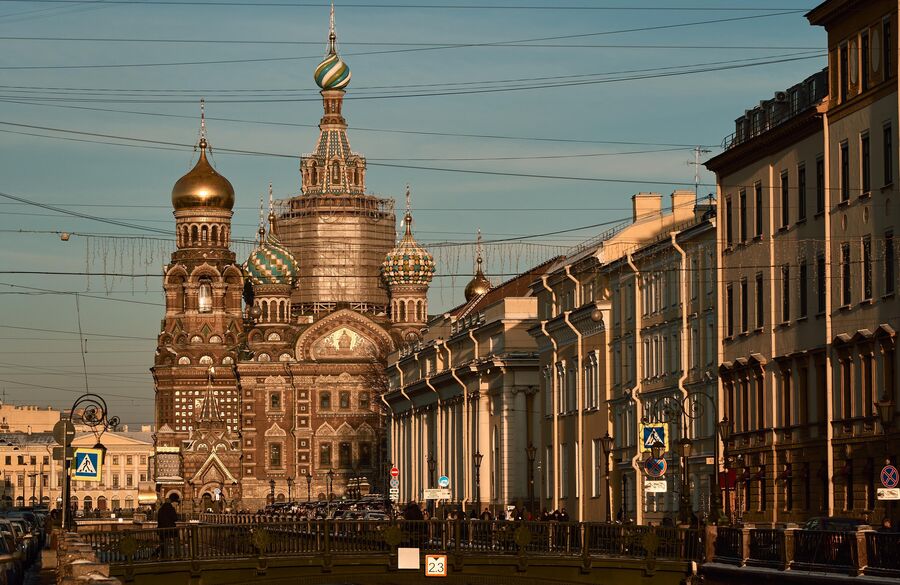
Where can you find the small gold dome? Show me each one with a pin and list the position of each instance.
(203, 186)
(478, 286)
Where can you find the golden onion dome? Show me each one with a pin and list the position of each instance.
(479, 284)
(202, 186)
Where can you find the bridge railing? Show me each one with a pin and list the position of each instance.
(883, 554)
(316, 537)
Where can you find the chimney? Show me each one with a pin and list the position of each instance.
(646, 206)
(683, 202)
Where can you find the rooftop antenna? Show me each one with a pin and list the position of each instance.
(698, 150)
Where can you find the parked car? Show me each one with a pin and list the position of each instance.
(834, 524)
(12, 570)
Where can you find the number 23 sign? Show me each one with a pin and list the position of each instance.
(435, 565)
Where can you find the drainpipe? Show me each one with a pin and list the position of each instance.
(553, 398)
(439, 433)
(465, 434)
(638, 404)
(579, 389)
(829, 361)
(768, 375)
(685, 305)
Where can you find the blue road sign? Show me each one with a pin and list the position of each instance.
(655, 467)
(890, 477)
(444, 481)
(87, 464)
(653, 433)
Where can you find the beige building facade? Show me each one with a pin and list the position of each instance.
(807, 280)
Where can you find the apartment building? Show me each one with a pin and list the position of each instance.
(807, 280)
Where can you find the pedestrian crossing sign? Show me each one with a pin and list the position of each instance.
(88, 464)
(652, 433)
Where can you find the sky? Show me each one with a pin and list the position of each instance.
(518, 117)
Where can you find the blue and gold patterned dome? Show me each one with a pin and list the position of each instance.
(408, 263)
(271, 263)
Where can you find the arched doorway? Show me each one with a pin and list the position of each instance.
(279, 498)
(88, 504)
(101, 503)
(129, 503)
(206, 502)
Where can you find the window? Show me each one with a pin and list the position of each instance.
(820, 185)
(364, 401)
(325, 455)
(8, 460)
(845, 171)
(787, 399)
(365, 454)
(344, 399)
(888, 154)
(129, 460)
(801, 192)
(760, 314)
(888, 262)
(729, 308)
(742, 225)
(115, 480)
(844, 72)
(275, 455)
(785, 200)
(867, 267)
(344, 455)
(866, 165)
(275, 401)
(757, 195)
(204, 297)
(864, 60)
(21, 459)
(820, 283)
(129, 480)
(845, 275)
(325, 400)
(886, 49)
(115, 460)
(745, 321)
(785, 293)
(729, 239)
(598, 466)
(802, 275)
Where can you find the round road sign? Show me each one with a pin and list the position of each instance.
(395, 472)
(655, 467)
(890, 477)
(395, 482)
(444, 481)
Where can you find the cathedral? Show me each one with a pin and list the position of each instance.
(268, 372)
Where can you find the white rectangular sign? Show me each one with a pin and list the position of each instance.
(436, 494)
(889, 493)
(408, 558)
(655, 486)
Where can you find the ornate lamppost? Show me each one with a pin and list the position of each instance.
(290, 484)
(330, 481)
(606, 444)
(308, 485)
(725, 428)
(531, 453)
(476, 460)
(684, 508)
(89, 410)
(432, 465)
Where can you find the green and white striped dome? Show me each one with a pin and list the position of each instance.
(271, 263)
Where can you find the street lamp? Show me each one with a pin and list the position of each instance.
(432, 465)
(476, 459)
(657, 449)
(308, 485)
(684, 508)
(725, 428)
(290, 482)
(885, 410)
(272, 490)
(330, 482)
(531, 453)
(606, 444)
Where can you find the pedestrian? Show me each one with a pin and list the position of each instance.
(166, 522)
(886, 525)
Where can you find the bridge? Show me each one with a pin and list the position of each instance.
(244, 548)
(231, 549)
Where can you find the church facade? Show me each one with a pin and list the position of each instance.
(268, 372)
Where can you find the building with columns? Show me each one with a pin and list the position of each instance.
(275, 397)
(462, 400)
(808, 279)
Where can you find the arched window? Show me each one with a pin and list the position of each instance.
(281, 310)
(195, 235)
(88, 504)
(204, 296)
(335, 172)
(325, 400)
(265, 311)
(402, 313)
(204, 234)
(313, 173)
(215, 235)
